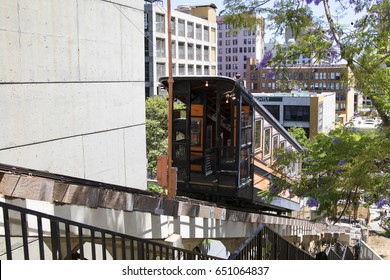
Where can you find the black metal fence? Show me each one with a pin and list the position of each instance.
(265, 244)
(339, 251)
(30, 234)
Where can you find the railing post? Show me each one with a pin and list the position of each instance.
(7, 233)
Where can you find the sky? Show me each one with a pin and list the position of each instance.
(175, 3)
(220, 6)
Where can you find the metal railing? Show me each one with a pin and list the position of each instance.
(339, 252)
(265, 244)
(367, 253)
(29, 234)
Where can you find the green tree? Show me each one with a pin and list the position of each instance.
(299, 134)
(363, 43)
(156, 110)
(156, 113)
(338, 168)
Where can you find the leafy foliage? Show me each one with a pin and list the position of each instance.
(156, 109)
(363, 43)
(339, 167)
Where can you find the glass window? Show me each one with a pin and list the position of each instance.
(173, 49)
(160, 47)
(190, 50)
(173, 26)
(297, 113)
(182, 70)
(160, 70)
(199, 52)
(275, 146)
(181, 27)
(206, 54)
(190, 29)
(182, 54)
(258, 130)
(160, 23)
(198, 32)
(190, 69)
(198, 70)
(267, 142)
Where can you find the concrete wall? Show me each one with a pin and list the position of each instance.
(72, 88)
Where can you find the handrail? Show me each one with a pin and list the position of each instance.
(73, 240)
(265, 244)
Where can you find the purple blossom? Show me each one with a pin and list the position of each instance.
(317, 2)
(349, 89)
(333, 55)
(297, 88)
(312, 202)
(381, 203)
(341, 163)
(270, 74)
(336, 141)
(264, 62)
(273, 189)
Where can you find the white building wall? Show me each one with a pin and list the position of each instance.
(71, 100)
(154, 59)
(328, 112)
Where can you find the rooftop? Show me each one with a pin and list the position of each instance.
(293, 93)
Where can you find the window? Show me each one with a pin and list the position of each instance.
(182, 54)
(213, 37)
(190, 50)
(182, 70)
(275, 146)
(199, 52)
(198, 70)
(274, 110)
(190, 29)
(160, 23)
(267, 142)
(297, 113)
(160, 70)
(160, 47)
(206, 54)
(173, 26)
(206, 34)
(198, 31)
(181, 27)
(190, 69)
(206, 70)
(146, 46)
(173, 49)
(258, 130)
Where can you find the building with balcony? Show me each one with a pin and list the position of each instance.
(194, 42)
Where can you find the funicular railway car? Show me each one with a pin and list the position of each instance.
(223, 142)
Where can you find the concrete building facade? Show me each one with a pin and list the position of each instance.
(314, 112)
(194, 42)
(235, 47)
(72, 102)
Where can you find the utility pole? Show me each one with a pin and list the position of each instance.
(171, 171)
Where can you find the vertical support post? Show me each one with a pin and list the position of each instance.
(171, 188)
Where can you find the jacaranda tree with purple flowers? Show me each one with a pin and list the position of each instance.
(337, 169)
(363, 43)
